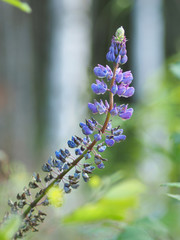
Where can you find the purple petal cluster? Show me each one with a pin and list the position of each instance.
(103, 72)
(122, 111)
(99, 161)
(125, 112)
(121, 87)
(88, 127)
(84, 147)
(122, 82)
(99, 107)
(96, 140)
(117, 52)
(116, 136)
(100, 87)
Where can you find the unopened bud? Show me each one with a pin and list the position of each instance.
(120, 34)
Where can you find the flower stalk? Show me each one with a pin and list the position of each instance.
(74, 163)
(59, 167)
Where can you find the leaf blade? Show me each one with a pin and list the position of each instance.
(18, 4)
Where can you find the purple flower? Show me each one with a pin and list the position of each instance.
(122, 108)
(127, 77)
(114, 110)
(126, 114)
(114, 89)
(100, 71)
(121, 90)
(110, 73)
(97, 159)
(97, 137)
(55, 163)
(129, 92)
(101, 165)
(59, 168)
(93, 108)
(106, 104)
(109, 141)
(58, 154)
(66, 188)
(71, 144)
(125, 91)
(110, 56)
(119, 138)
(90, 124)
(116, 132)
(65, 167)
(118, 59)
(117, 51)
(109, 126)
(81, 125)
(85, 176)
(86, 130)
(119, 75)
(87, 156)
(123, 50)
(124, 59)
(86, 140)
(101, 148)
(100, 107)
(99, 87)
(78, 151)
(76, 175)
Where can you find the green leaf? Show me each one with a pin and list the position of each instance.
(126, 189)
(103, 209)
(135, 233)
(174, 184)
(116, 204)
(175, 196)
(153, 227)
(144, 229)
(18, 4)
(175, 69)
(10, 227)
(176, 138)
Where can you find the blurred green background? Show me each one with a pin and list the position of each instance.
(46, 70)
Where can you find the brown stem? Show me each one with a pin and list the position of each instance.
(60, 176)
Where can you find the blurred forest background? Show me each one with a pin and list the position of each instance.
(46, 70)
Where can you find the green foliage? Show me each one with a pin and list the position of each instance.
(175, 184)
(145, 229)
(175, 69)
(116, 204)
(175, 196)
(18, 4)
(10, 227)
(105, 185)
(135, 233)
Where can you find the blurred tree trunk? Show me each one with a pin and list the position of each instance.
(16, 79)
(172, 19)
(148, 45)
(69, 56)
(67, 72)
(148, 58)
(43, 75)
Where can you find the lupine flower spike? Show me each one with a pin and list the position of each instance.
(97, 138)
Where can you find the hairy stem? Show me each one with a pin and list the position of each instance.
(74, 163)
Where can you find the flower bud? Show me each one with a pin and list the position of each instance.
(120, 34)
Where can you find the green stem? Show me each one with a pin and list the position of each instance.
(74, 163)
